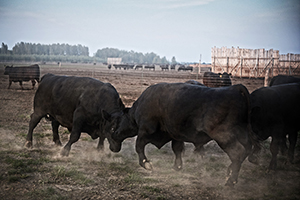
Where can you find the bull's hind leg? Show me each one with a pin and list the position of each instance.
(293, 140)
(237, 154)
(177, 147)
(33, 83)
(55, 124)
(34, 120)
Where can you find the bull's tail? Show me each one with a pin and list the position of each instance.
(245, 93)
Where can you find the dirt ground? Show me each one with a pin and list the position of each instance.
(41, 173)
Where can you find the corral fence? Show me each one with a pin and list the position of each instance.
(254, 62)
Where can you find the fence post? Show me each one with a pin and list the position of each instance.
(241, 67)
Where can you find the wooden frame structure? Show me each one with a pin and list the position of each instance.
(254, 62)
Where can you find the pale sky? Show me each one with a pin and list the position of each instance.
(181, 28)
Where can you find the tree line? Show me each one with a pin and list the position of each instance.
(32, 52)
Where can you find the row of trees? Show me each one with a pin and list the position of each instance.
(130, 56)
(52, 49)
(32, 52)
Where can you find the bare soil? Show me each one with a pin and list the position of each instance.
(41, 173)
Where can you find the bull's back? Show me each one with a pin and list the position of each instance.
(281, 79)
(176, 104)
(25, 73)
(56, 93)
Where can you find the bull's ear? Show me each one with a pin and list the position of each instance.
(106, 115)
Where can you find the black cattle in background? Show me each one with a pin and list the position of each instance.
(149, 67)
(181, 112)
(80, 104)
(275, 113)
(282, 79)
(138, 67)
(24, 73)
(185, 68)
(211, 79)
(164, 67)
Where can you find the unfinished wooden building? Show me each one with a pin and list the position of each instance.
(254, 62)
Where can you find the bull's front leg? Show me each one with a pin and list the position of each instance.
(140, 149)
(9, 84)
(177, 147)
(75, 134)
(100, 146)
(33, 83)
(21, 84)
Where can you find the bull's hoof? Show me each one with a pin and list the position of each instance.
(177, 168)
(253, 159)
(28, 144)
(230, 183)
(147, 165)
(64, 152)
(58, 143)
(100, 148)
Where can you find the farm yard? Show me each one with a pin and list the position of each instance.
(41, 173)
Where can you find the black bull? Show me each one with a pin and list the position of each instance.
(80, 104)
(183, 112)
(282, 79)
(211, 79)
(25, 73)
(275, 112)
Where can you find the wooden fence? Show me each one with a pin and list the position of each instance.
(254, 62)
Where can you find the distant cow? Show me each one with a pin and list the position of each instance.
(164, 67)
(138, 67)
(282, 79)
(275, 112)
(80, 104)
(190, 113)
(211, 79)
(150, 67)
(25, 73)
(185, 68)
(173, 66)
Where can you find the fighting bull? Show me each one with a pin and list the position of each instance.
(80, 104)
(25, 73)
(189, 113)
(275, 113)
(282, 79)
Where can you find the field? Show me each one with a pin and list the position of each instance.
(41, 173)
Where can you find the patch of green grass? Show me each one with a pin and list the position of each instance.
(59, 172)
(21, 166)
(153, 189)
(133, 178)
(49, 193)
(117, 167)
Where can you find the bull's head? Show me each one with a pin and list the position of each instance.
(127, 127)
(112, 121)
(7, 70)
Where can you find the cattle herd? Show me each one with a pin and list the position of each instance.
(170, 112)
